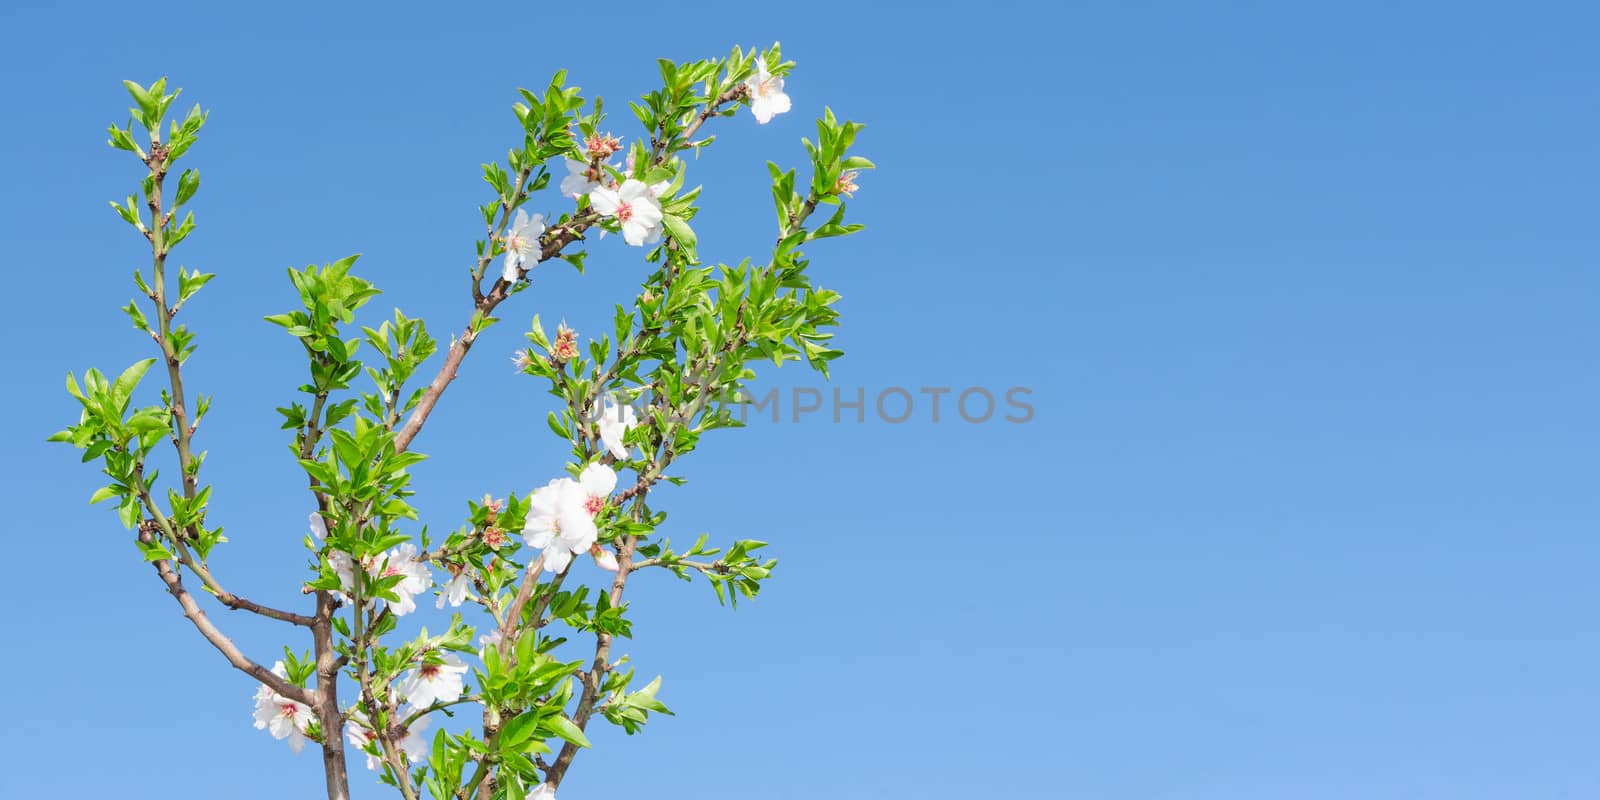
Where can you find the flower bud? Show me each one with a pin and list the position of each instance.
(565, 347)
(602, 145)
(495, 538)
(845, 185)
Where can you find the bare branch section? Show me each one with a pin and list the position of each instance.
(224, 645)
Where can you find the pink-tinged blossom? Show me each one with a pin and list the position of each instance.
(427, 683)
(522, 244)
(766, 93)
(597, 481)
(582, 178)
(634, 206)
(363, 738)
(414, 744)
(405, 560)
(488, 640)
(601, 145)
(559, 523)
(604, 558)
(280, 716)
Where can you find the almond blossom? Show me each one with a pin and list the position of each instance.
(846, 184)
(635, 207)
(414, 744)
(280, 716)
(433, 683)
(604, 558)
(319, 528)
(614, 423)
(766, 93)
(455, 592)
(365, 739)
(543, 791)
(521, 242)
(488, 640)
(582, 178)
(601, 145)
(345, 567)
(559, 523)
(597, 481)
(405, 560)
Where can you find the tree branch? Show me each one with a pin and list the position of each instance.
(212, 634)
(553, 241)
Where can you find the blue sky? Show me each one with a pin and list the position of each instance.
(1306, 299)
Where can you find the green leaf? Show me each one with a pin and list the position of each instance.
(147, 104)
(122, 389)
(680, 230)
(188, 183)
(106, 493)
(566, 729)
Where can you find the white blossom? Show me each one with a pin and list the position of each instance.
(319, 527)
(455, 592)
(414, 744)
(427, 683)
(488, 640)
(581, 179)
(604, 558)
(635, 207)
(615, 421)
(766, 93)
(597, 481)
(360, 736)
(543, 791)
(405, 560)
(345, 567)
(280, 716)
(559, 523)
(521, 242)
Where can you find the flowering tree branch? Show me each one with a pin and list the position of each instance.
(635, 400)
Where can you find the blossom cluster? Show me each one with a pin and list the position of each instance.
(404, 561)
(412, 744)
(280, 716)
(561, 520)
(634, 204)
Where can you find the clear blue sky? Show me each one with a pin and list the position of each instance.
(1307, 299)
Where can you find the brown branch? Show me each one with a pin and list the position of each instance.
(596, 672)
(513, 621)
(335, 771)
(216, 637)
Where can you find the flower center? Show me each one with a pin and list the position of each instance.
(594, 504)
(624, 212)
(290, 710)
(429, 671)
